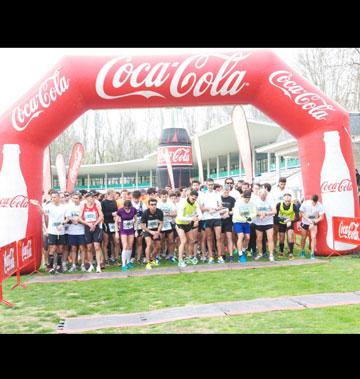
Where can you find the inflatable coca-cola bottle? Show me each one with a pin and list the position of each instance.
(177, 143)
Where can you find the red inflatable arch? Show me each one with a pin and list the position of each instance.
(260, 78)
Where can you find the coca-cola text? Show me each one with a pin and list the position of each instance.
(48, 93)
(19, 201)
(342, 186)
(9, 261)
(26, 251)
(350, 231)
(179, 155)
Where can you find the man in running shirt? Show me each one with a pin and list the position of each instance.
(264, 223)
(152, 223)
(233, 192)
(167, 233)
(287, 213)
(54, 213)
(188, 215)
(210, 205)
(228, 203)
(312, 212)
(92, 216)
(140, 207)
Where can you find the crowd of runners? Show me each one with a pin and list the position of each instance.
(209, 222)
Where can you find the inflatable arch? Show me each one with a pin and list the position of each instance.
(260, 78)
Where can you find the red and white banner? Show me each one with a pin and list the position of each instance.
(76, 158)
(179, 155)
(61, 171)
(346, 229)
(9, 260)
(25, 252)
(47, 184)
(241, 131)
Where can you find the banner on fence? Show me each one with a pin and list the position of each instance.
(346, 229)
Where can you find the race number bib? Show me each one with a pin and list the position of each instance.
(90, 216)
(128, 224)
(153, 224)
(112, 228)
(167, 225)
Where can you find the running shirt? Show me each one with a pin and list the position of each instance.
(140, 208)
(211, 200)
(244, 210)
(127, 223)
(72, 213)
(228, 202)
(311, 211)
(90, 214)
(278, 194)
(152, 220)
(108, 207)
(264, 206)
(186, 211)
(235, 194)
(167, 207)
(284, 212)
(56, 214)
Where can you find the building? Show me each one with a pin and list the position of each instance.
(275, 154)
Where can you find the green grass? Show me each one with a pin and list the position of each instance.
(40, 307)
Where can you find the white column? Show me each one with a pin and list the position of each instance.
(277, 168)
(122, 179)
(254, 161)
(106, 181)
(88, 180)
(217, 167)
(151, 179)
(269, 161)
(286, 163)
(207, 168)
(228, 164)
(240, 165)
(137, 179)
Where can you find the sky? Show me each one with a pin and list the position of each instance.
(21, 68)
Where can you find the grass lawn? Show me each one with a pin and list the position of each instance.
(40, 307)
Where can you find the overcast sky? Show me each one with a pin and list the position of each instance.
(21, 68)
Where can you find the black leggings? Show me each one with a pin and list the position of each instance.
(252, 243)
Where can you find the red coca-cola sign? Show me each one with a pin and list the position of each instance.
(346, 229)
(179, 155)
(342, 186)
(8, 256)
(19, 201)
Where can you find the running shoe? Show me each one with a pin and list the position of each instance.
(98, 269)
(235, 252)
(173, 259)
(211, 261)
(157, 260)
(64, 267)
(148, 266)
(187, 260)
(91, 268)
(155, 263)
(231, 259)
(182, 264)
(72, 269)
(221, 260)
(124, 268)
(53, 271)
(243, 258)
(312, 256)
(194, 261)
(258, 257)
(291, 257)
(271, 258)
(83, 269)
(203, 259)
(130, 265)
(302, 254)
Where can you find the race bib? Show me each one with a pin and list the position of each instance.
(111, 228)
(90, 216)
(167, 225)
(128, 224)
(245, 213)
(312, 217)
(153, 224)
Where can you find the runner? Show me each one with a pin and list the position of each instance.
(188, 216)
(228, 202)
(151, 224)
(199, 233)
(54, 213)
(140, 207)
(233, 192)
(125, 222)
(167, 233)
(264, 223)
(210, 205)
(287, 214)
(76, 232)
(312, 212)
(91, 216)
(243, 214)
(109, 208)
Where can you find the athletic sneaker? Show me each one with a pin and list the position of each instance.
(83, 269)
(172, 259)
(291, 257)
(194, 261)
(312, 256)
(235, 252)
(302, 255)
(124, 268)
(53, 271)
(155, 263)
(187, 260)
(73, 268)
(148, 266)
(220, 260)
(271, 258)
(211, 261)
(203, 259)
(91, 268)
(182, 264)
(98, 269)
(64, 267)
(243, 258)
(130, 265)
(231, 259)
(258, 257)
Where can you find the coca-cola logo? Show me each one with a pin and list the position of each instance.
(19, 201)
(49, 91)
(342, 186)
(120, 73)
(350, 231)
(178, 155)
(74, 169)
(26, 251)
(311, 102)
(9, 261)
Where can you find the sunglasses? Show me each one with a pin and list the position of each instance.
(152, 205)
